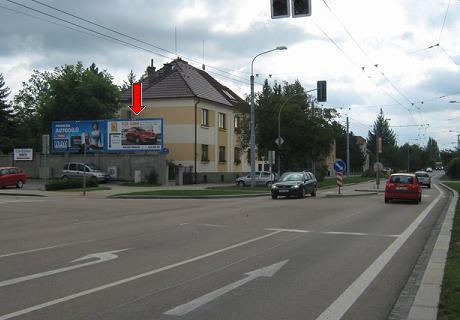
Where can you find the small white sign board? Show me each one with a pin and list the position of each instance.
(23, 154)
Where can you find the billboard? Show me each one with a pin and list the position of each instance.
(71, 136)
(107, 135)
(135, 135)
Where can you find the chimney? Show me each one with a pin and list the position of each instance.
(151, 71)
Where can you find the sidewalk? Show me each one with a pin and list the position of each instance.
(37, 190)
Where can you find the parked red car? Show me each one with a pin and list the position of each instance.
(12, 176)
(403, 186)
(140, 135)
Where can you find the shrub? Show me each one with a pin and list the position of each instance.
(453, 168)
(61, 184)
(321, 171)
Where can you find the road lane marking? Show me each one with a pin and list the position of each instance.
(19, 201)
(341, 305)
(5, 255)
(360, 234)
(132, 278)
(268, 271)
(287, 230)
(100, 256)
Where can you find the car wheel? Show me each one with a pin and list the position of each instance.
(268, 184)
(19, 184)
(274, 196)
(429, 186)
(313, 194)
(302, 193)
(240, 184)
(65, 178)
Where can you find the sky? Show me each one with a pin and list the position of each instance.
(399, 55)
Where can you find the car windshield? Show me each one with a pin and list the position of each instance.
(291, 177)
(92, 166)
(402, 179)
(422, 174)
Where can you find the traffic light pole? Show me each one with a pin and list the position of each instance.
(348, 147)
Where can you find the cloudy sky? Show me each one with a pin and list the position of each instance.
(399, 55)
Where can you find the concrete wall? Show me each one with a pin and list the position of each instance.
(126, 164)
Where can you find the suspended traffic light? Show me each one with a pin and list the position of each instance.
(301, 8)
(280, 9)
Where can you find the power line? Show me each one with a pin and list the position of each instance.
(108, 37)
(128, 36)
(444, 21)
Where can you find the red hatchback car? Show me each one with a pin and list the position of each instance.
(140, 135)
(12, 176)
(403, 186)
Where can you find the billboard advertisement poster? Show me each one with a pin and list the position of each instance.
(23, 154)
(135, 135)
(71, 136)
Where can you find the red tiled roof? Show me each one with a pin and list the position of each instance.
(178, 79)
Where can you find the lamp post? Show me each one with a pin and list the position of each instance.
(458, 138)
(252, 141)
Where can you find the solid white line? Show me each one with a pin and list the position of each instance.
(287, 230)
(129, 279)
(43, 248)
(341, 305)
(360, 234)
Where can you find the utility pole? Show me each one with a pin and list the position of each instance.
(348, 147)
(408, 158)
(377, 149)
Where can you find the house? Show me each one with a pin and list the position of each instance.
(201, 120)
(362, 143)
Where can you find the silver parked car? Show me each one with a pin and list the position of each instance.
(77, 169)
(263, 178)
(423, 178)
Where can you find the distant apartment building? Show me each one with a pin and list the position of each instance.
(201, 120)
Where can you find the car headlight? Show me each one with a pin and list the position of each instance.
(296, 186)
(274, 186)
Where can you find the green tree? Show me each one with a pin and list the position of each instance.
(382, 129)
(6, 118)
(308, 132)
(131, 78)
(356, 155)
(432, 153)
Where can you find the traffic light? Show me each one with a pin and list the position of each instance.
(321, 91)
(301, 8)
(280, 9)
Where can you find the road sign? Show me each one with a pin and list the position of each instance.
(378, 166)
(339, 165)
(271, 156)
(279, 141)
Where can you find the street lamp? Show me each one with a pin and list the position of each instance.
(253, 118)
(458, 138)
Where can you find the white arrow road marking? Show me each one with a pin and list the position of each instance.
(129, 279)
(99, 256)
(268, 271)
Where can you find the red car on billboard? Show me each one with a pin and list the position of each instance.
(140, 135)
(12, 177)
(404, 186)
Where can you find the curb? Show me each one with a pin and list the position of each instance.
(371, 190)
(22, 194)
(188, 197)
(351, 195)
(425, 306)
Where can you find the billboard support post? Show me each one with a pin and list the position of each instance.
(84, 168)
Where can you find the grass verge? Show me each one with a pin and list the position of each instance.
(328, 183)
(87, 189)
(449, 305)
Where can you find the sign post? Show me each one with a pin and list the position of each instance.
(271, 161)
(339, 167)
(45, 151)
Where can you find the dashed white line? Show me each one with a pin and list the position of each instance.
(287, 230)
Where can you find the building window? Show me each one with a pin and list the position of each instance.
(236, 122)
(221, 154)
(204, 152)
(221, 120)
(205, 117)
(237, 156)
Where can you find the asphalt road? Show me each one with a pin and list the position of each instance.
(251, 258)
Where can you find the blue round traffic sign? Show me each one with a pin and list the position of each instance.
(339, 165)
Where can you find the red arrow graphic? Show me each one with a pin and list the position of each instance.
(137, 98)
